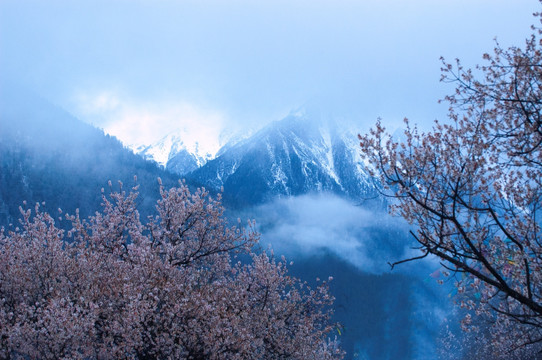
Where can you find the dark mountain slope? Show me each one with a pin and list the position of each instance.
(47, 155)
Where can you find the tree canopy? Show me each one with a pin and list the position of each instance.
(183, 285)
(472, 188)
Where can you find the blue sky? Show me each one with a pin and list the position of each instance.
(142, 68)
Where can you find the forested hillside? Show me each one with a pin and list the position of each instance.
(47, 155)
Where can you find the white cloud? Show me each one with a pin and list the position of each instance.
(145, 122)
(309, 224)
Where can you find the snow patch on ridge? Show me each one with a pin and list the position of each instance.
(329, 164)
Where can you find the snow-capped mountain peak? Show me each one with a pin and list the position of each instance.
(307, 151)
(179, 152)
(300, 154)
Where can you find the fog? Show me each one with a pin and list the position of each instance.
(140, 68)
(313, 224)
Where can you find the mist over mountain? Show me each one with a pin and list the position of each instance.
(386, 314)
(47, 155)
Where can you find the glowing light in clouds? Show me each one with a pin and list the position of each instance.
(143, 123)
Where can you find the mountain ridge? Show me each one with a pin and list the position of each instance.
(296, 155)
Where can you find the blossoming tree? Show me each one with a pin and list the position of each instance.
(185, 285)
(473, 189)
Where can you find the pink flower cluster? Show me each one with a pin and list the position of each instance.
(114, 288)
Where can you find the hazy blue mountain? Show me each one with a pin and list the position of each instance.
(300, 154)
(47, 155)
(383, 316)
